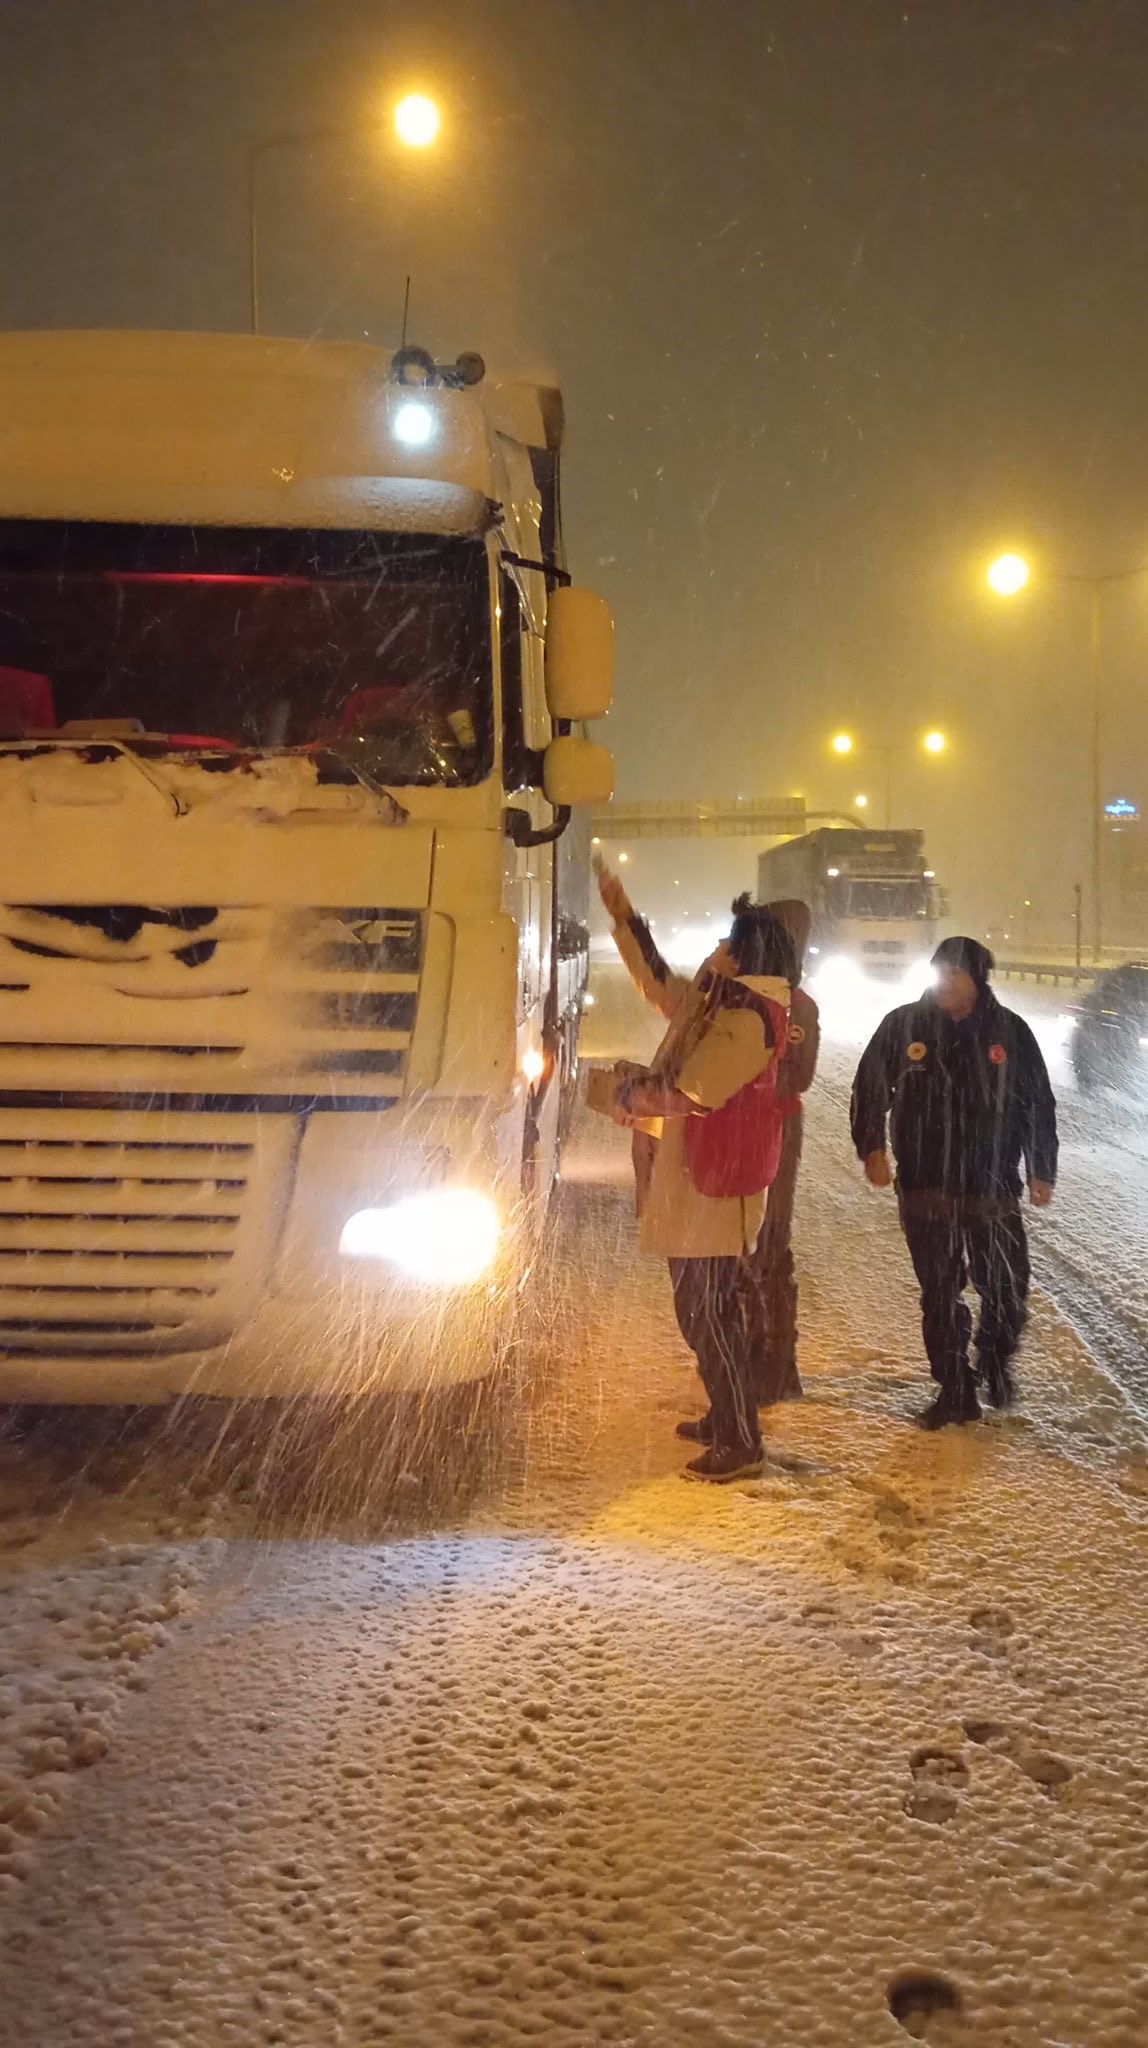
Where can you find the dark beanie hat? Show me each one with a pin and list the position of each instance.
(969, 954)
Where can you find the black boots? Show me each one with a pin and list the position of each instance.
(700, 1431)
(997, 1382)
(953, 1404)
(724, 1462)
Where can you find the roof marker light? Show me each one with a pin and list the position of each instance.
(413, 425)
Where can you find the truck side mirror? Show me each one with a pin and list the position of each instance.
(577, 771)
(579, 656)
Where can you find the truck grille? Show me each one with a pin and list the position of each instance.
(127, 1231)
(355, 992)
(220, 1001)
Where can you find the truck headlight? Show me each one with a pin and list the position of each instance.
(447, 1237)
(839, 973)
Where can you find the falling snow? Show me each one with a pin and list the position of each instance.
(848, 1754)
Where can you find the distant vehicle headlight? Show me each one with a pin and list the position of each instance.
(837, 972)
(446, 1237)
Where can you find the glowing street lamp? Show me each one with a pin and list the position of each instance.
(417, 121)
(844, 744)
(1008, 575)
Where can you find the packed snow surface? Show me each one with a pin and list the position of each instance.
(852, 1754)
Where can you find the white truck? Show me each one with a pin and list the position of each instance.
(293, 916)
(874, 903)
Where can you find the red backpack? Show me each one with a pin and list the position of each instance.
(736, 1150)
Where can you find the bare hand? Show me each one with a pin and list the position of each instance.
(640, 1098)
(1040, 1193)
(614, 898)
(648, 1095)
(878, 1171)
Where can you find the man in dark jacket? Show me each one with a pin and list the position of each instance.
(967, 1097)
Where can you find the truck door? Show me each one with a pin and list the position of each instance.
(528, 870)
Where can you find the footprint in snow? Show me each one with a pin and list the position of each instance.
(939, 1778)
(992, 1627)
(855, 1642)
(928, 2006)
(1043, 1766)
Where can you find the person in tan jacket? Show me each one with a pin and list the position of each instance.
(716, 1043)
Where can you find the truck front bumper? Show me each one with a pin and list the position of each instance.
(245, 1292)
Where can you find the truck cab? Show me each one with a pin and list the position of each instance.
(293, 936)
(874, 903)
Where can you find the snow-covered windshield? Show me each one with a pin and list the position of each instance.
(907, 898)
(374, 645)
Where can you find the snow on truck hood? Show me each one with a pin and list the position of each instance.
(260, 786)
(97, 821)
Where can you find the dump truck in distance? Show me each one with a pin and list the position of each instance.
(293, 893)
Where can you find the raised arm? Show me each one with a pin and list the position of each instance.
(655, 982)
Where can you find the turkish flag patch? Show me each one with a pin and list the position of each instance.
(997, 1055)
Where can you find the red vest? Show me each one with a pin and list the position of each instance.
(736, 1150)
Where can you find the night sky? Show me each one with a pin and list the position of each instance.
(844, 295)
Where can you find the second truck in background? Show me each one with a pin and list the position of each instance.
(875, 904)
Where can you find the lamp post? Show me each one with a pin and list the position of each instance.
(416, 124)
(844, 744)
(1008, 576)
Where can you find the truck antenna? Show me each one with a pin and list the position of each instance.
(406, 311)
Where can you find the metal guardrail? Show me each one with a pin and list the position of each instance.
(1066, 969)
(1054, 971)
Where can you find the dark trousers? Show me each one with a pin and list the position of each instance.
(949, 1251)
(711, 1307)
(774, 1305)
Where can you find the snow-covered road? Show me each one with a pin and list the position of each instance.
(574, 1752)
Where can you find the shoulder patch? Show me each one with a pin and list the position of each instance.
(997, 1055)
(796, 1034)
(917, 1051)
